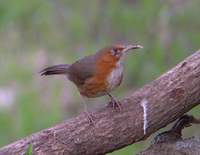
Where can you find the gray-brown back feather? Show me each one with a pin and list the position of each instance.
(82, 69)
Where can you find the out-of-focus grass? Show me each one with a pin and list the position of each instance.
(35, 34)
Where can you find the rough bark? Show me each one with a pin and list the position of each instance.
(189, 146)
(171, 142)
(164, 100)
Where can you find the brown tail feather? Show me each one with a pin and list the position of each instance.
(57, 69)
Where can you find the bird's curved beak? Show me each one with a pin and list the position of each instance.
(130, 47)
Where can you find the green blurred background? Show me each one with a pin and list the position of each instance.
(39, 33)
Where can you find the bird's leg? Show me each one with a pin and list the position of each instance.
(89, 115)
(113, 102)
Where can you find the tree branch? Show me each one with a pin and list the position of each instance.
(171, 142)
(143, 112)
(188, 146)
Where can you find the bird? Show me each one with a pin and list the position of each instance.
(97, 74)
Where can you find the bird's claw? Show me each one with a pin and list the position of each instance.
(90, 118)
(115, 104)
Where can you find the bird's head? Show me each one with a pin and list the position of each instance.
(116, 52)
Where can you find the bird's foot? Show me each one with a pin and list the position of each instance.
(90, 118)
(115, 104)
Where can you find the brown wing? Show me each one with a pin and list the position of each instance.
(82, 69)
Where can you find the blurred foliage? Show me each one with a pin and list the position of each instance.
(34, 34)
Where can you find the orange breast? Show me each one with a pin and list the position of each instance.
(98, 85)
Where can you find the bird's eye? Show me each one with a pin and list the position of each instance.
(114, 52)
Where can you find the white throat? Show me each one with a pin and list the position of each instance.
(115, 77)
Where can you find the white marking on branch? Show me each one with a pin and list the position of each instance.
(144, 103)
